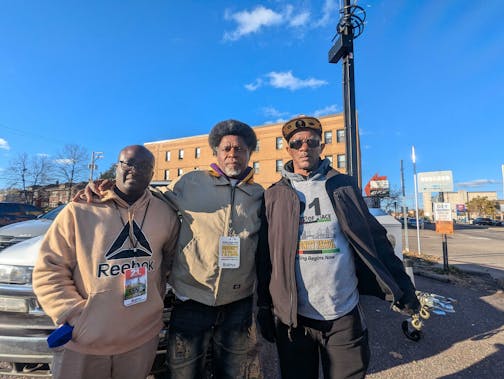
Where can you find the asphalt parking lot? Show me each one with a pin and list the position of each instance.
(466, 344)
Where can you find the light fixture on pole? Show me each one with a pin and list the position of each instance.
(413, 158)
(92, 166)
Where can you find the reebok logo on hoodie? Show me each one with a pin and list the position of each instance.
(118, 252)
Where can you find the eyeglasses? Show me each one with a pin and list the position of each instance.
(237, 149)
(297, 143)
(138, 166)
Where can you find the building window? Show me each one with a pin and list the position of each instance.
(257, 146)
(197, 152)
(256, 167)
(329, 157)
(328, 137)
(181, 154)
(168, 156)
(341, 161)
(279, 143)
(180, 172)
(166, 174)
(340, 135)
(279, 165)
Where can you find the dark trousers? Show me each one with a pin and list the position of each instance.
(342, 346)
(228, 329)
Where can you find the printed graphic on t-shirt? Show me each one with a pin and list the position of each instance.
(316, 239)
(317, 246)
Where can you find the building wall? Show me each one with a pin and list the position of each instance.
(266, 155)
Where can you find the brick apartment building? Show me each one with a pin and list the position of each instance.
(177, 156)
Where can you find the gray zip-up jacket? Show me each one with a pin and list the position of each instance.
(379, 271)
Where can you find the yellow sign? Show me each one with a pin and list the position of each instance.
(444, 227)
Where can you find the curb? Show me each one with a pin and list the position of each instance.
(499, 281)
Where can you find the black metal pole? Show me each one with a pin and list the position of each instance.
(343, 49)
(444, 243)
(446, 267)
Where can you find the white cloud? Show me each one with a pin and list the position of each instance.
(478, 183)
(284, 80)
(4, 145)
(66, 161)
(43, 155)
(289, 81)
(251, 22)
(299, 20)
(333, 108)
(273, 112)
(254, 85)
(328, 10)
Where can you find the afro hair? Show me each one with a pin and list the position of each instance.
(233, 128)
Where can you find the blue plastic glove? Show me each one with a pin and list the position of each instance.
(60, 336)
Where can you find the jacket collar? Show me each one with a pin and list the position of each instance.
(222, 179)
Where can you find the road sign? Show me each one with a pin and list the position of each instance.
(442, 212)
(435, 181)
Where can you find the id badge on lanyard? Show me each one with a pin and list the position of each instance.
(229, 252)
(135, 286)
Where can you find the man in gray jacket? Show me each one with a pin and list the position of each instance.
(321, 248)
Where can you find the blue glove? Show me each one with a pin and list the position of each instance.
(60, 336)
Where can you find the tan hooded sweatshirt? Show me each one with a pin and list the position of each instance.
(80, 273)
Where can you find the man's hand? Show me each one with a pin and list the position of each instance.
(409, 303)
(266, 322)
(94, 190)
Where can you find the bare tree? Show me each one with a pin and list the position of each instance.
(18, 174)
(72, 165)
(392, 202)
(41, 169)
(25, 172)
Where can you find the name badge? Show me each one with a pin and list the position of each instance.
(135, 286)
(229, 252)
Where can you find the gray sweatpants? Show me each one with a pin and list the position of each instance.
(134, 364)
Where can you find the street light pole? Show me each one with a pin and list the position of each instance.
(95, 155)
(404, 212)
(350, 26)
(413, 158)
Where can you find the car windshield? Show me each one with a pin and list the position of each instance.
(51, 215)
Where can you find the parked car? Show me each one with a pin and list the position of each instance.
(24, 326)
(15, 212)
(482, 221)
(20, 231)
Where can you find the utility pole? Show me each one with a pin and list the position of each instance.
(95, 155)
(350, 26)
(413, 158)
(404, 211)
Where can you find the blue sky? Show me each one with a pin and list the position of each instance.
(105, 74)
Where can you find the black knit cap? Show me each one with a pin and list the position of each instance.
(301, 123)
(232, 128)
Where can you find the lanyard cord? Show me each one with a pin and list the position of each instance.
(231, 231)
(131, 234)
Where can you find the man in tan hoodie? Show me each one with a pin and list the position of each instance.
(101, 272)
